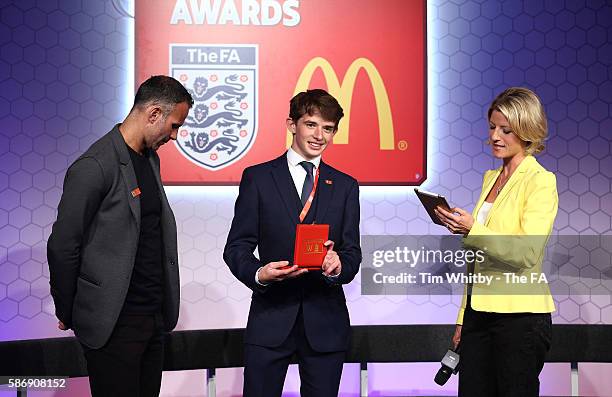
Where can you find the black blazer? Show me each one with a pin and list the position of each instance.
(266, 214)
(93, 243)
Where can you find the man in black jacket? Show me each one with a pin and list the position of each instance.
(112, 252)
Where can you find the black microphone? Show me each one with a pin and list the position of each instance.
(450, 366)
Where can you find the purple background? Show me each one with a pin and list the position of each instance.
(64, 82)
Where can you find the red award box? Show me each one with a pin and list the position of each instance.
(309, 249)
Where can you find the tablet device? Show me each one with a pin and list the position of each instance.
(430, 201)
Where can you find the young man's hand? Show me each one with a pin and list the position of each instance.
(332, 266)
(278, 271)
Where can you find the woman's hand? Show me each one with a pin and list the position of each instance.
(457, 221)
(457, 336)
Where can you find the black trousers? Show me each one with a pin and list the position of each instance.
(502, 354)
(266, 367)
(130, 364)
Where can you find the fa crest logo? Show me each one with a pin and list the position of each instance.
(221, 126)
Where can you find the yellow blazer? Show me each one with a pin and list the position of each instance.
(514, 237)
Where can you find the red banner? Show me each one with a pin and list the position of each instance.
(243, 60)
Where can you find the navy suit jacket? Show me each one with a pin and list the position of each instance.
(266, 214)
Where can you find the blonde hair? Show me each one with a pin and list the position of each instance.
(525, 114)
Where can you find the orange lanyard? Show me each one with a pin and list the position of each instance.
(310, 198)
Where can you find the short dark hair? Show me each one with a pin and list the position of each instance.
(164, 91)
(315, 101)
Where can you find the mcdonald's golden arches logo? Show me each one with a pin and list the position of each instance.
(343, 92)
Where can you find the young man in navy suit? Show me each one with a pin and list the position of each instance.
(295, 311)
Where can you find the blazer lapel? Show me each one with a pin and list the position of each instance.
(486, 188)
(286, 188)
(514, 179)
(325, 191)
(128, 174)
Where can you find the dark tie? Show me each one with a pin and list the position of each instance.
(308, 182)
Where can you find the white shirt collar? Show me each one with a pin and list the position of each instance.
(295, 159)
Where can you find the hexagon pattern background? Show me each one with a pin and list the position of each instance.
(63, 82)
(63, 71)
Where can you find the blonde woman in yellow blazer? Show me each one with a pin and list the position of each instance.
(505, 327)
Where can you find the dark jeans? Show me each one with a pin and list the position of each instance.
(503, 354)
(266, 367)
(130, 364)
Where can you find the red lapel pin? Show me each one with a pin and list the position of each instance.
(136, 192)
(329, 181)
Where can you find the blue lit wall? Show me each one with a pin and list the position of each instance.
(63, 78)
